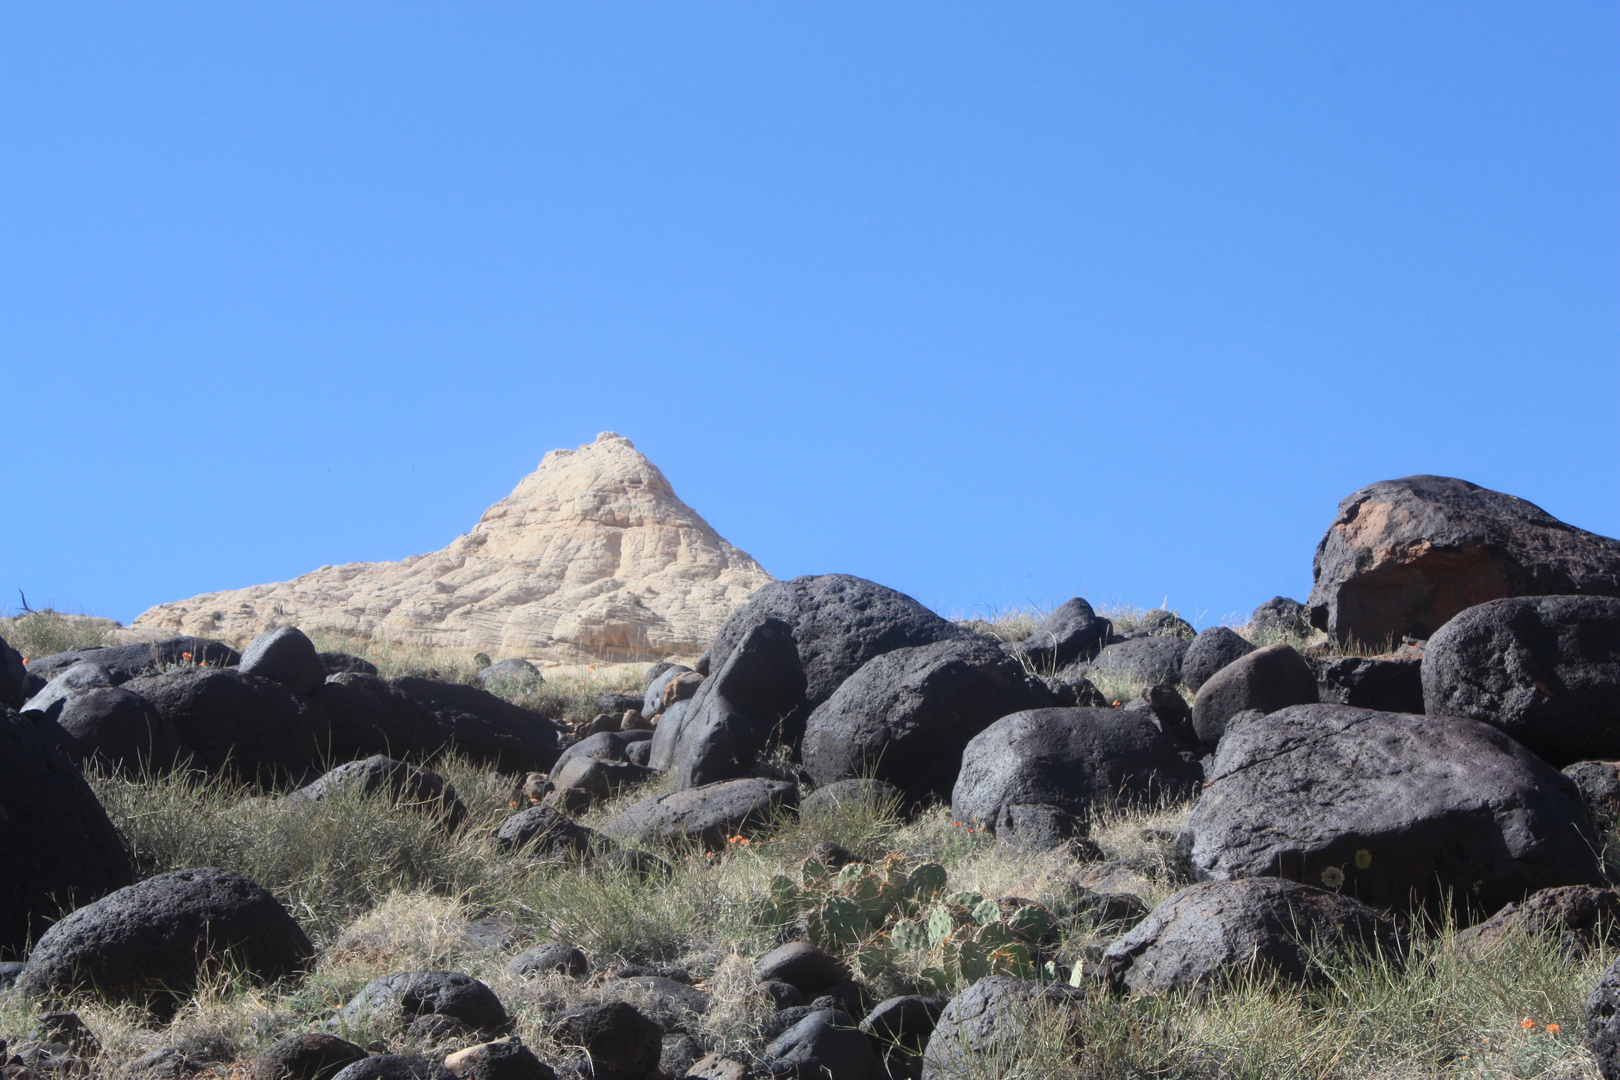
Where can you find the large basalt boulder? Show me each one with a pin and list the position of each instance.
(1070, 760)
(250, 727)
(838, 623)
(1403, 557)
(1071, 632)
(778, 658)
(369, 716)
(57, 847)
(401, 782)
(748, 702)
(399, 999)
(1151, 658)
(619, 1043)
(906, 716)
(49, 699)
(1267, 679)
(120, 730)
(1395, 809)
(126, 662)
(824, 1045)
(1209, 934)
(149, 942)
(709, 815)
(487, 728)
(1392, 683)
(1209, 652)
(287, 656)
(988, 1020)
(1544, 669)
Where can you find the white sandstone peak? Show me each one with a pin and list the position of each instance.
(592, 557)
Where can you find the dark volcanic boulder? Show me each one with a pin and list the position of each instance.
(1599, 785)
(1067, 759)
(709, 815)
(1577, 918)
(1210, 651)
(803, 966)
(620, 1043)
(399, 999)
(503, 1059)
(57, 848)
(827, 799)
(824, 1045)
(556, 956)
(485, 727)
(1152, 658)
(84, 675)
(287, 656)
(339, 663)
(304, 1057)
(1267, 679)
(1210, 933)
(1544, 669)
(13, 677)
(652, 702)
(1072, 632)
(513, 674)
(125, 662)
(1402, 557)
(541, 830)
(904, 1022)
(252, 727)
(147, 943)
(837, 623)
(403, 783)
(369, 716)
(604, 746)
(120, 730)
(1280, 615)
(1603, 1023)
(395, 1067)
(1387, 683)
(905, 716)
(737, 712)
(1391, 808)
(988, 1019)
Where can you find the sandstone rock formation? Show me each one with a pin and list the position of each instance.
(592, 557)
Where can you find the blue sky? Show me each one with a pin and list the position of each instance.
(996, 304)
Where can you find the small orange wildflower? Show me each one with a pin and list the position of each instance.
(1527, 1023)
(185, 656)
(1553, 1029)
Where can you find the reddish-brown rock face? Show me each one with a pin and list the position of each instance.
(1403, 556)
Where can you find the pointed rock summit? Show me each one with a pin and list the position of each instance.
(592, 557)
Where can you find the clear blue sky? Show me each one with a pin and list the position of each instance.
(997, 304)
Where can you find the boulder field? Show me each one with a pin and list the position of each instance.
(1339, 791)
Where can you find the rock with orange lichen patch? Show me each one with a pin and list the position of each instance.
(1403, 556)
